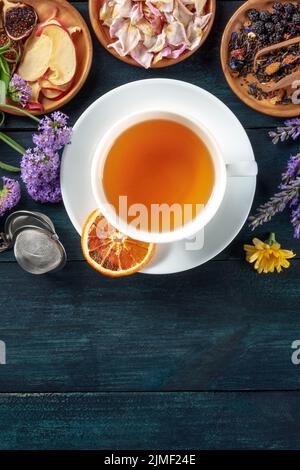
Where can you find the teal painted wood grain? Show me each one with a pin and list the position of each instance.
(218, 327)
(150, 421)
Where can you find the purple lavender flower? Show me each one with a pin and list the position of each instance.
(290, 130)
(295, 122)
(45, 142)
(45, 192)
(289, 188)
(10, 195)
(54, 131)
(288, 195)
(293, 169)
(19, 90)
(295, 219)
(38, 166)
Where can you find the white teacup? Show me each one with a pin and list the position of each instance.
(221, 172)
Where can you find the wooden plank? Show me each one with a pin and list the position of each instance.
(150, 421)
(219, 327)
(202, 69)
(271, 160)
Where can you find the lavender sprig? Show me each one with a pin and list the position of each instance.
(293, 169)
(289, 188)
(289, 193)
(40, 166)
(295, 219)
(290, 130)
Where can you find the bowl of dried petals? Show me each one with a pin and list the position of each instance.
(152, 34)
(260, 56)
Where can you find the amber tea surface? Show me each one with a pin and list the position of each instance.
(159, 162)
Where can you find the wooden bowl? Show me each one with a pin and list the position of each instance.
(84, 48)
(238, 84)
(102, 34)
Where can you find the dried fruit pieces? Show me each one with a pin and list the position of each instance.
(272, 68)
(253, 55)
(13, 53)
(47, 59)
(49, 62)
(35, 61)
(62, 62)
(19, 19)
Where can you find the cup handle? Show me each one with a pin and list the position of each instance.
(242, 168)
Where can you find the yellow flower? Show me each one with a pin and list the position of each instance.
(268, 256)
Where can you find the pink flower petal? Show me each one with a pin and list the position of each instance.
(176, 34)
(136, 13)
(153, 9)
(142, 56)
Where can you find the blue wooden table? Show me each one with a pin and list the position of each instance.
(200, 359)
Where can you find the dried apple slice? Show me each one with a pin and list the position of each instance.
(50, 93)
(36, 58)
(53, 93)
(55, 21)
(45, 83)
(62, 62)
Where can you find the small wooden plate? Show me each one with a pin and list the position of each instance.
(82, 40)
(238, 84)
(102, 33)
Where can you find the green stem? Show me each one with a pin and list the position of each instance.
(271, 239)
(6, 167)
(2, 118)
(6, 46)
(20, 110)
(12, 143)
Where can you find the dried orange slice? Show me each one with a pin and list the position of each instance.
(111, 252)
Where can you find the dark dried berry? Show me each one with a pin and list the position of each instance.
(258, 27)
(253, 14)
(293, 31)
(289, 9)
(278, 6)
(276, 18)
(264, 39)
(296, 19)
(272, 38)
(278, 37)
(280, 27)
(265, 16)
(269, 27)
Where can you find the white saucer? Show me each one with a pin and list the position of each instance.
(176, 96)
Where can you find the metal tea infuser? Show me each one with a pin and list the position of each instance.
(35, 242)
